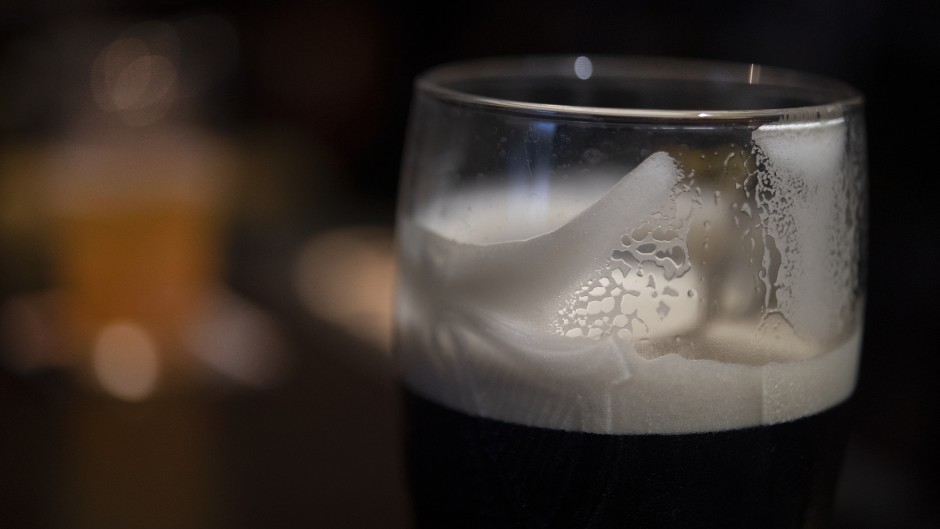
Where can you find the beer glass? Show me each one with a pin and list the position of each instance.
(630, 292)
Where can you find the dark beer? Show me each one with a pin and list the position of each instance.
(471, 472)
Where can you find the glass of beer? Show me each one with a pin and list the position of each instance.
(630, 292)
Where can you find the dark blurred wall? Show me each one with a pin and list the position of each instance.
(317, 101)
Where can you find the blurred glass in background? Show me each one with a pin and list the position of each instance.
(193, 313)
(131, 205)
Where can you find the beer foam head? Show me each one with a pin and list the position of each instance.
(604, 316)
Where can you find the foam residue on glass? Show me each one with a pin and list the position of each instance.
(674, 298)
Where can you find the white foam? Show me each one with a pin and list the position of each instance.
(809, 205)
(513, 327)
(522, 278)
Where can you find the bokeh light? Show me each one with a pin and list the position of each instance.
(126, 361)
(346, 277)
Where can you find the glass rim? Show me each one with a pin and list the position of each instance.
(840, 95)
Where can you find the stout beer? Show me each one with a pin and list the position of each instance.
(628, 316)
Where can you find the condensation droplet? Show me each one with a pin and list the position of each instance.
(617, 275)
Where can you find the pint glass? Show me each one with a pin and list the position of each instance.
(630, 292)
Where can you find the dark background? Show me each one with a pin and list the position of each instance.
(322, 89)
